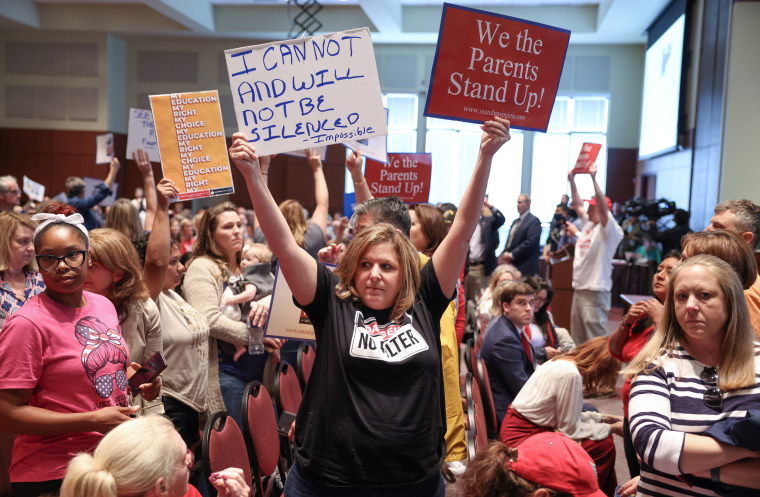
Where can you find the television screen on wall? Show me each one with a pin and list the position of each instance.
(663, 82)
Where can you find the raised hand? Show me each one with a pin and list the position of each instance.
(354, 162)
(142, 159)
(167, 190)
(313, 159)
(244, 155)
(495, 134)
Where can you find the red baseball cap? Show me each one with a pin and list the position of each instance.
(592, 202)
(554, 461)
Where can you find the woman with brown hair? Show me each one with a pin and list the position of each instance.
(428, 228)
(552, 398)
(124, 218)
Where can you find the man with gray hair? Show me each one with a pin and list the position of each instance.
(10, 193)
(75, 195)
(743, 218)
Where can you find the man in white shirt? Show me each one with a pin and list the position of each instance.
(592, 267)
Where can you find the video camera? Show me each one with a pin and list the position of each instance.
(651, 209)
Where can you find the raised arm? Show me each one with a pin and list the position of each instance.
(576, 202)
(321, 195)
(449, 256)
(354, 167)
(601, 200)
(158, 252)
(298, 267)
(113, 168)
(142, 159)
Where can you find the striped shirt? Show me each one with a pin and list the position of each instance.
(667, 403)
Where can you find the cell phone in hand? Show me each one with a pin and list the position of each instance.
(152, 368)
(283, 424)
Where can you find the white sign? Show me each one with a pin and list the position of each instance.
(89, 189)
(142, 134)
(322, 151)
(34, 190)
(373, 148)
(104, 150)
(296, 94)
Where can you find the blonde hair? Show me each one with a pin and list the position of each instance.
(292, 210)
(493, 284)
(129, 460)
(124, 217)
(737, 351)
(9, 222)
(409, 266)
(117, 254)
(260, 251)
(598, 368)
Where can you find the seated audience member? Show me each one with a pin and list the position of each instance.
(75, 195)
(648, 251)
(552, 399)
(543, 334)
(507, 351)
(699, 368)
(545, 465)
(634, 331)
(10, 193)
(143, 457)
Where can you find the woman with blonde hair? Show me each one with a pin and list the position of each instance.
(143, 457)
(19, 278)
(372, 418)
(115, 272)
(552, 398)
(699, 367)
(488, 303)
(124, 217)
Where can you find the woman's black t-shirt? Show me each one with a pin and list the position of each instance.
(373, 413)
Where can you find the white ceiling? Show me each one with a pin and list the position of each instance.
(390, 21)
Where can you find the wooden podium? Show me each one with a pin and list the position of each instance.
(561, 276)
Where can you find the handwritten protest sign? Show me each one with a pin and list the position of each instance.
(89, 190)
(488, 64)
(406, 176)
(104, 148)
(322, 151)
(587, 156)
(372, 148)
(142, 134)
(33, 190)
(191, 140)
(294, 94)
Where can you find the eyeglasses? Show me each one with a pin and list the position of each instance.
(13, 192)
(104, 383)
(713, 397)
(189, 460)
(72, 259)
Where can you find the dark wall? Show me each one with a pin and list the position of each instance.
(621, 173)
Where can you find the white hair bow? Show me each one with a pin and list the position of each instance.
(46, 219)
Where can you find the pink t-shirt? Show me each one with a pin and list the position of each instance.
(73, 360)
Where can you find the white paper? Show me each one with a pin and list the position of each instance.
(322, 151)
(632, 299)
(296, 94)
(104, 151)
(89, 189)
(142, 134)
(375, 148)
(33, 190)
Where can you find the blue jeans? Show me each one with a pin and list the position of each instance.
(232, 394)
(300, 484)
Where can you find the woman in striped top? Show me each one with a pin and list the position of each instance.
(700, 367)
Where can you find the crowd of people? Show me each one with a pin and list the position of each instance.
(87, 297)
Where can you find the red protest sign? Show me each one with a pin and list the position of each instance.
(587, 157)
(488, 64)
(406, 176)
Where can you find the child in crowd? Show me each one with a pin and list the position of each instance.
(254, 283)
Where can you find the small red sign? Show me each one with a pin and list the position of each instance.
(406, 176)
(488, 64)
(587, 157)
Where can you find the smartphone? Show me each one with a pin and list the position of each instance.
(283, 424)
(152, 368)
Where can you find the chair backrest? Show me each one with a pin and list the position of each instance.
(224, 447)
(260, 433)
(304, 363)
(468, 354)
(488, 406)
(475, 413)
(287, 389)
(474, 351)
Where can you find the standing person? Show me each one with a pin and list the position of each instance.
(671, 237)
(699, 367)
(557, 243)
(19, 278)
(75, 195)
(592, 265)
(217, 257)
(507, 350)
(522, 247)
(632, 335)
(10, 193)
(481, 259)
(372, 417)
(186, 236)
(60, 402)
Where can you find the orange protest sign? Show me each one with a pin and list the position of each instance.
(191, 140)
(587, 157)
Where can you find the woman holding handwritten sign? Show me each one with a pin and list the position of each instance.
(372, 416)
